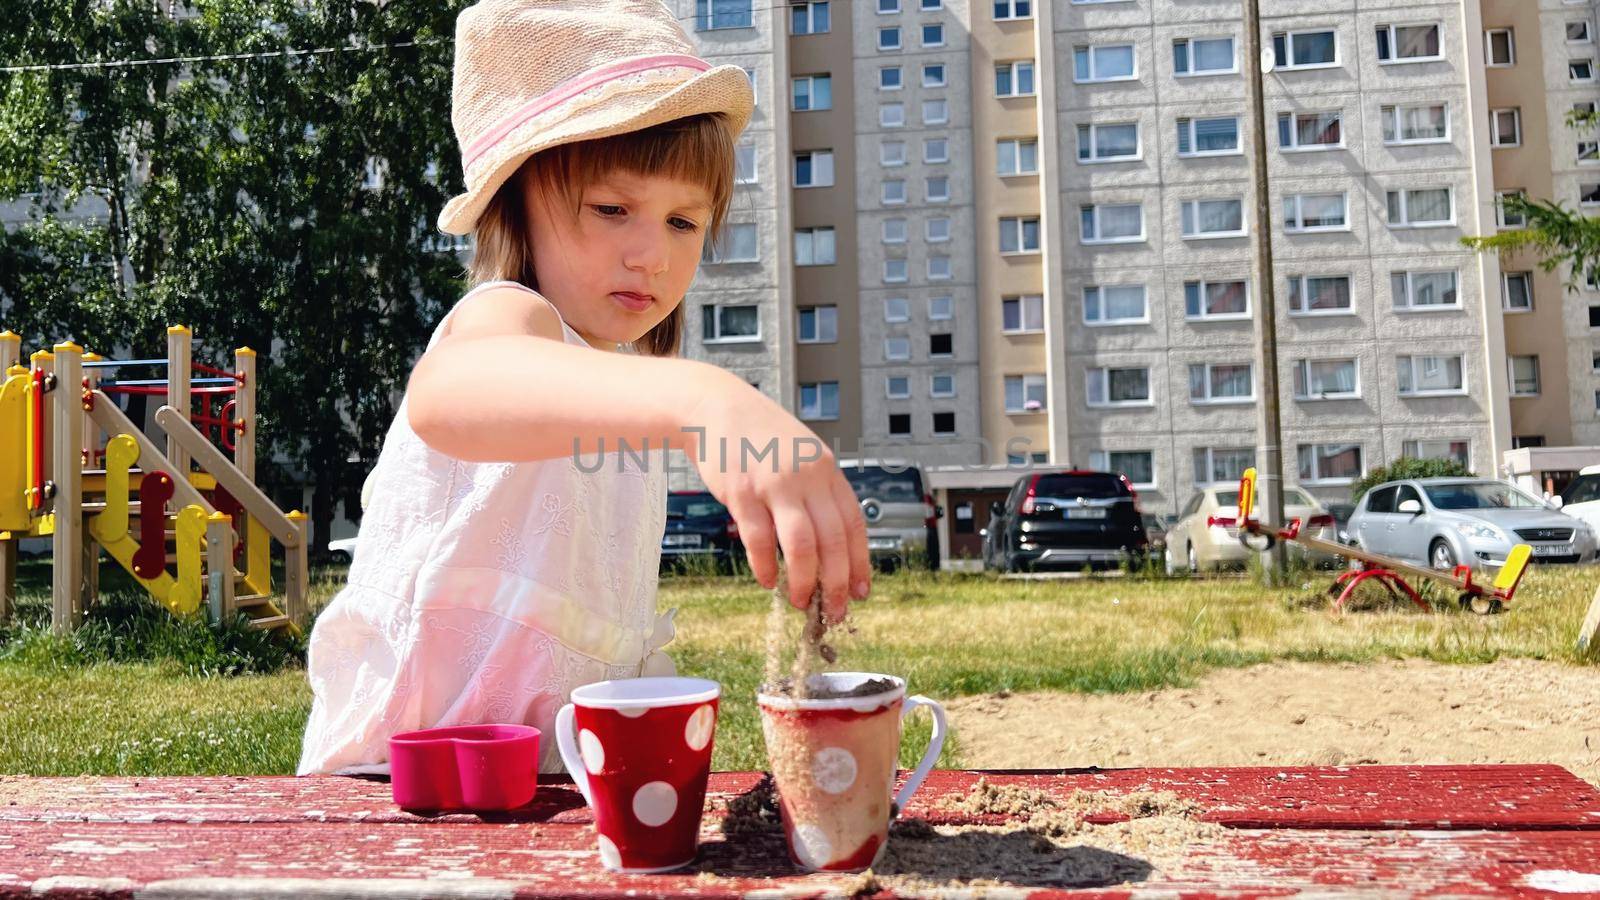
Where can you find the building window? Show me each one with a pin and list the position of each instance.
(1115, 304)
(944, 424)
(1460, 451)
(1025, 394)
(1013, 9)
(1218, 136)
(819, 324)
(933, 75)
(1310, 130)
(936, 230)
(1203, 56)
(889, 78)
(1216, 300)
(1327, 379)
(892, 153)
(813, 168)
(894, 271)
(1420, 207)
(1221, 465)
(1112, 387)
(938, 188)
(1111, 224)
(1014, 79)
(897, 387)
(1408, 43)
(1329, 463)
(1019, 234)
(1505, 217)
(1424, 290)
(1500, 47)
(1524, 375)
(894, 191)
(1213, 218)
(1017, 157)
(738, 245)
(1305, 49)
(932, 5)
(1138, 466)
(1426, 124)
(1109, 62)
(935, 112)
(809, 18)
(892, 115)
(941, 345)
(755, 95)
(897, 349)
(744, 168)
(936, 150)
(1589, 194)
(814, 247)
(896, 309)
(1579, 32)
(813, 92)
(730, 324)
(938, 268)
(1217, 383)
(1516, 291)
(1588, 151)
(941, 385)
(713, 14)
(894, 231)
(1108, 143)
(1425, 376)
(1580, 70)
(888, 6)
(941, 308)
(819, 400)
(1505, 127)
(1315, 212)
(889, 37)
(1319, 295)
(900, 424)
(1022, 314)
(933, 35)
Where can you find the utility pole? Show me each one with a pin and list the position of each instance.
(1269, 455)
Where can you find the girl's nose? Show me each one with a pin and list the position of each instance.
(647, 252)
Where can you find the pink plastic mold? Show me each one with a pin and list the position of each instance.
(472, 767)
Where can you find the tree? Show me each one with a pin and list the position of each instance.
(1405, 467)
(234, 195)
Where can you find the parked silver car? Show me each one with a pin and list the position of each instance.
(1442, 522)
(902, 520)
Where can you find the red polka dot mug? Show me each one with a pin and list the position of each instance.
(834, 760)
(639, 750)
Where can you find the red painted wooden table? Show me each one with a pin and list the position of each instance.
(1370, 831)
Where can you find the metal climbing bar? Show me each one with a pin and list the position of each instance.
(162, 382)
(237, 377)
(118, 363)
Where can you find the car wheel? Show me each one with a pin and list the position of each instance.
(1440, 556)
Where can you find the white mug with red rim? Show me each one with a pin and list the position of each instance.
(639, 750)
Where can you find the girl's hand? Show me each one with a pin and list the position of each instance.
(784, 488)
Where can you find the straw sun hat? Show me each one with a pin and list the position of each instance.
(534, 74)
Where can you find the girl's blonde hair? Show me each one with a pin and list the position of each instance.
(697, 150)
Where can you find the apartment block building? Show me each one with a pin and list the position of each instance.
(1021, 232)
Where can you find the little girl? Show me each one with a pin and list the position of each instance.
(496, 569)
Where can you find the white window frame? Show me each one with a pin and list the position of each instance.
(1024, 306)
(816, 157)
(1017, 155)
(889, 313)
(1289, 65)
(1496, 138)
(1588, 152)
(942, 80)
(1211, 464)
(935, 111)
(1103, 374)
(1093, 51)
(1511, 375)
(885, 31)
(899, 74)
(923, 34)
(1488, 48)
(1573, 78)
(810, 82)
(1188, 123)
(895, 224)
(889, 391)
(809, 9)
(823, 319)
(1317, 477)
(933, 385)
(1102, 321)
(742, 150)
(905, 269)
(1411, 306)
(953, 432)
(949, 355)
(1302, 374)
(949, 311)
(888, 199)
(1189, 215)
(1034, 380)
(731, 339)
(928, 145)
(1201, 284)
(892, 344)
(1588, 31)
(1405, 207)
(1191, 72)
(1411, 448)
(1297, 226)
(928, 233)
(1208, 399)
(1500, 219)
(1100, 460)
(887, 160)
(1096, 207)
(1014, 69)
(891, 115)
(1392, 111)
(928, 187)
(888, 7)
(1294, 145)
(741, 227)
(1505, 291)
(817, 236)
(1091, 132)
(1586, 190)
(1392, 30)
(1017, 226)
(934, 263)
(819, 412)
(1414, 361)
(1011, 10)
(1302, 281)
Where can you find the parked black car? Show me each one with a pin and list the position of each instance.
(699, 527)
(1071, 519)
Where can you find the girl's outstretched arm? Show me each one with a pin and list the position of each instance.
(501, 385)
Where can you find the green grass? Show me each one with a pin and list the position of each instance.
(134, 694)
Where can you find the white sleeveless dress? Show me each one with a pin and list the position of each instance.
(484, 592)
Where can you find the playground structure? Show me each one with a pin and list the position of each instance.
(1384, 570)
(187, 520)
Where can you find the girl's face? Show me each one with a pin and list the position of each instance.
(627, 261)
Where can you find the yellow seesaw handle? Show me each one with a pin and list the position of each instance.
(1511, 572)
(1247, 495)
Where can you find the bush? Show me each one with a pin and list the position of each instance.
(1407, 468)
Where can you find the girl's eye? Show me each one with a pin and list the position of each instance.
(606, 209)
(684, 225)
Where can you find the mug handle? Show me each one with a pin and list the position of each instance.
(567, 743)
(929, 757)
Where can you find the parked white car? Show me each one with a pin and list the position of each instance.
(1580, 499)
(1206, 535)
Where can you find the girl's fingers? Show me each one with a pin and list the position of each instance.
(833, 555)
(799, 542)
(759, 537)
(855, 536)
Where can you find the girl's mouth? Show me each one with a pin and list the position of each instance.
(634, 302)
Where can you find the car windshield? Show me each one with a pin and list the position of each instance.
(1291, 497)
(1097, 487)
(1583, 489)
(888, 487)
(1479, 495)
(693, 506)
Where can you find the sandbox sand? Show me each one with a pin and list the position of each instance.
(1393, 712)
